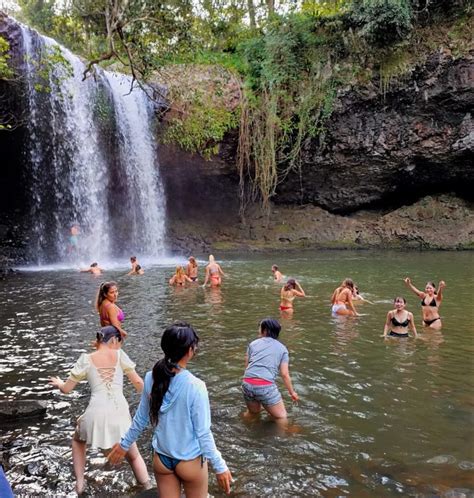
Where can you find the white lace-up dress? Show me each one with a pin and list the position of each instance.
(107, 417)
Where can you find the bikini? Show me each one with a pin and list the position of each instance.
(396, 323)
(170, 463)
(432, 303)
(105, 318)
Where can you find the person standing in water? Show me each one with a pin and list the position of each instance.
(73, 239)
(107, 416)
(109, 312)
(341, 300)
(277, 275)
(177, 405)
(179, 278)
(214, 273)
(266, 356)
(288, 293)
(399, 321)
(192, 269)
(136, 270)
(430, 302)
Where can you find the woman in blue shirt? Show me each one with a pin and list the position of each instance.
(177, 404)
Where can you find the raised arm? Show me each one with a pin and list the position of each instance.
(439, 294)
(418, 292)
(299, 290)
(285, 375)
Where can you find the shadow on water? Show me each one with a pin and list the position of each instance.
(375, 418)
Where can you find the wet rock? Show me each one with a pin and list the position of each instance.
(18, 410)
(36, 469)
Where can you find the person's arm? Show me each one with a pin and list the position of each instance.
(112, 314)
(207, 277)
(139, 423)
(246, 360)
(64, 387)
(172, 280)
(285, 375)
(350, 304)
(299, 290)
(136, 380)
(85, 270)
(439, 295)
(418, 292)
(201, 419)
(387, 325)
(220, 270)
(187, 278)
(412, 324)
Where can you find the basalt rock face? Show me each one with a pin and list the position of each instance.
(393, 149)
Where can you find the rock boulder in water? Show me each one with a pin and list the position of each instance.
(19, 409)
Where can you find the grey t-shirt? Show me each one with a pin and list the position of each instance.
(265, 357)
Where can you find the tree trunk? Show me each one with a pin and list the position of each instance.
(251, 9)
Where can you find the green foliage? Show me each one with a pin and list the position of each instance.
(39, 13)
(382, 22)
(6, 71)
(51, 68)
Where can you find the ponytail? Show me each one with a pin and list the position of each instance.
(175, 343)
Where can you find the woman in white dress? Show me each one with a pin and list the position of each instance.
(107, 417)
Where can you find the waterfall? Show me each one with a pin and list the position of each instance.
(92, 161)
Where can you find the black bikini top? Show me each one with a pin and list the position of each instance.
(432, 303)
(402, 324)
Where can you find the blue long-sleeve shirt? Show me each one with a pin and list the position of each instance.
(184, 425)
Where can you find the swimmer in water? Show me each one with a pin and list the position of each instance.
(399, 321)
(277, 275)
(358, 298)
(179, 278)
(430, 302)
(136, 270)
(213, 273)
(94, 268)
(192, 269)
(288, 293)
(109, 312)
(341, 300)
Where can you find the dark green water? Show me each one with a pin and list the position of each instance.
(375, 419)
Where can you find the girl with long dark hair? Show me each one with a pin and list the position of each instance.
(109, 312)
(177, 405)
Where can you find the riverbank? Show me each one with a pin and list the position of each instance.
(442, 222)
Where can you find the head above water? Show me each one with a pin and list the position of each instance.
(400, 301)
(192, 260)
(138, 268)
(270, 327)
(133, 259)
(107, 333)
(347, 282)
(430, 288)
(290, 284)
(274, 268)
(104, 289)
(93, 265)
(179, 271)
(211, 259)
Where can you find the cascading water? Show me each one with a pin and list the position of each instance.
(93, 161)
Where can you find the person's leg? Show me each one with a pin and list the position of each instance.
(137, 463)
(169, 486)
(277, 411)
(79, 463)
(194, 475)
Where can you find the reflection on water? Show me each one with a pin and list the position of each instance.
(375, 418)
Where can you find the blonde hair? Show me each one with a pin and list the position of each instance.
(179, 271)
(211, 259)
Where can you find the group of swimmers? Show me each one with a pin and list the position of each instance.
(95, 269)
(176, 403)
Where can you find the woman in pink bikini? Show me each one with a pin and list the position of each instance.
(109, 312)
(288, 293)
(213, 273)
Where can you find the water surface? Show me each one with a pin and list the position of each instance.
(376, 418)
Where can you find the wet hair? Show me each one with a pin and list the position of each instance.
(93, 265)
(133, 259)
(270, 327)
(400, 298)
(102, 293)
(107, 333)
(347, 282)
(274, 267)
(192, 260)
(175, 343)
(179, 271)
(291, 284)
(138, 268)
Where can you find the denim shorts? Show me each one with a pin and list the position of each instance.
(267, 395)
